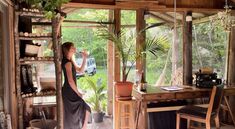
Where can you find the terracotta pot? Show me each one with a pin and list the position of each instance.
(123, 89)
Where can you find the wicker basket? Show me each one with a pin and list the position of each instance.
(43, 124)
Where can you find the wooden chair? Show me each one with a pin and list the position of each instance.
(200, 114)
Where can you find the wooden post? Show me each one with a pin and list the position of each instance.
(231, 68)
(110, 67)
(17, 68)
(57, 60)
(187, 50)
(117, 26)
(12, 68)
(140, 40)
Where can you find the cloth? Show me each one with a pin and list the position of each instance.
(74, 106)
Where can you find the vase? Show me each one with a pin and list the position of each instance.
(124, 90)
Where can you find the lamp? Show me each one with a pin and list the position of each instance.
(227, 21)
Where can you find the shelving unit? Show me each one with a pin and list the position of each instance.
(53, 36)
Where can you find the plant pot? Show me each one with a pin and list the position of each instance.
(124, 89)
(98, 117)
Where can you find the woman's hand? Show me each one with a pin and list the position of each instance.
(84, 54)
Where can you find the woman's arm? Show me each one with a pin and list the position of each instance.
(68, 67)
(82, 67)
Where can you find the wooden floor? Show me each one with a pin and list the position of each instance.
(108, 124)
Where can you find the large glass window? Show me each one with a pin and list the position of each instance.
(209, 48)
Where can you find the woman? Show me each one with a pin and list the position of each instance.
(76, 111)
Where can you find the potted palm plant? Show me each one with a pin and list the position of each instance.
(125, 46)
(96, 98)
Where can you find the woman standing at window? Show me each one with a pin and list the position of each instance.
(76, 111)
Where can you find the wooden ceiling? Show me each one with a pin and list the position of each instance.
(162, 10)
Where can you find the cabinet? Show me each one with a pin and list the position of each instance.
(28, 41)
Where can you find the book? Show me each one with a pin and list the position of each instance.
(171, 88)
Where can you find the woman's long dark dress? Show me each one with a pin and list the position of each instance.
(74, 106)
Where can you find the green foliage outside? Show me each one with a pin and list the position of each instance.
(98, 93)
(210, 44)
(85, 38)
(95, 89)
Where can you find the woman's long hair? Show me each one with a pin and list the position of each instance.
(65, 48)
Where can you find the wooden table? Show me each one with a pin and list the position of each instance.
(156, 94)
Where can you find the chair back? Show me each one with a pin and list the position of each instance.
(215, 100)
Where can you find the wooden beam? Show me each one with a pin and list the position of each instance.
(56, 22)
(118, 5)
(201, 20)
(103, 2)
(160, 18)
(194, 3)
(136, 5)
(12, 78)
(231, 63)
(187, 50)
(110, 68)
(117, 68)
(68, 10)
(86, 22)
(140, 40)
(171, 108)
(97, 26)
(141, 62)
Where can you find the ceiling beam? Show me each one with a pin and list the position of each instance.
(136, 5)
(160, 18)
(86, 22)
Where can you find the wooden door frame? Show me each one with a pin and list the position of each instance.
(8, 58)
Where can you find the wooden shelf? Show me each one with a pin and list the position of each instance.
(35, 38)
(30, 60)
(31, 14)
(46, 104)
(39, 94)
(42, 23)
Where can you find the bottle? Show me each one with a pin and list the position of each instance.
(143, 83)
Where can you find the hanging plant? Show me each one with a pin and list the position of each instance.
(50, 8)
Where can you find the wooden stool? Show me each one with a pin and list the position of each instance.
(125, 114)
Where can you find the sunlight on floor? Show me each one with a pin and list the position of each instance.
(106, 124)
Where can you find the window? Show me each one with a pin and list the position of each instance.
(209, 48)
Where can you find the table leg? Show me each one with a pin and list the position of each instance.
(145, 115)
(229, 109)
(142, 116)
(137, 114)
